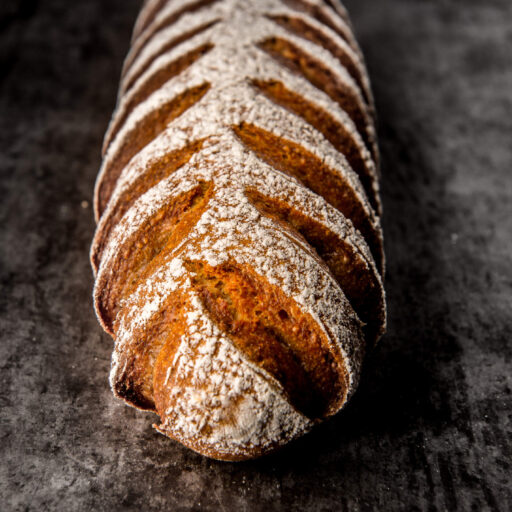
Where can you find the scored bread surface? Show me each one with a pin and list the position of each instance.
(238, 253)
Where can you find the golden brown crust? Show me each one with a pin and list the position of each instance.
(304, 29)
(151, 26)
(138, 256)
(141, 135)
(239, 254)
(357, 279)
(318, 13)
(153, 83)
(134, 383)
(320, 76)
(165, 48)
(155, 173)
(293, 159)
(273, 333)
(339, 136)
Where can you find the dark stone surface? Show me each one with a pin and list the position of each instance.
(430, 426)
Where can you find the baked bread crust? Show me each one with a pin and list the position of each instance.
(238, 253)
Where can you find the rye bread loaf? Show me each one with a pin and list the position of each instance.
(238, 253)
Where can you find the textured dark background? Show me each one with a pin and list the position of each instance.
(430, 426)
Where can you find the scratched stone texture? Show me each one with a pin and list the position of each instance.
(429, 428)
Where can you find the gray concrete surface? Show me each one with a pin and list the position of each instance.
(430, 426)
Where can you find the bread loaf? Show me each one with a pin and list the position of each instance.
(238, 253)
